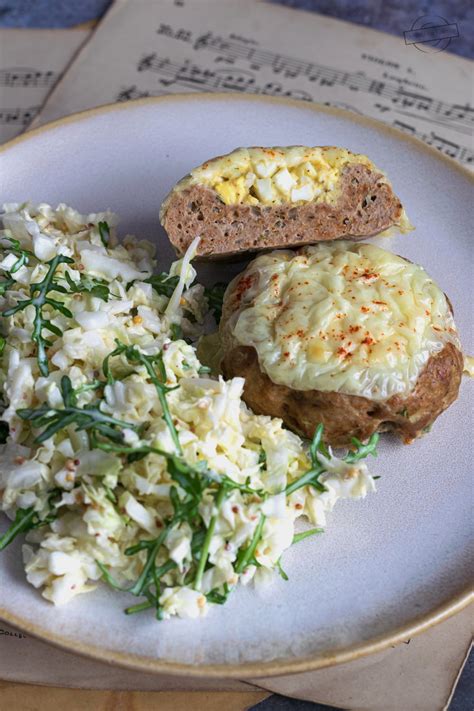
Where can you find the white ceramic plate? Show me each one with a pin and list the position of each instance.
(386, 567)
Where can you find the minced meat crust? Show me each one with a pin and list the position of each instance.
(346, 416)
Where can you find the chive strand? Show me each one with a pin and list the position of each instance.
(160, 389)
(309, 478)
(141, 582)
(249, 552)
(138, 608)
(207, 541)
(22, 522)
(306, 534)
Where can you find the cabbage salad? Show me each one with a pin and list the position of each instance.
(124, 460)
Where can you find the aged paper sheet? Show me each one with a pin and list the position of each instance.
(31, 62)
(145, 48)
(418, 673)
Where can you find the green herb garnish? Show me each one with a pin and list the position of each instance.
(176, 332)
(163, 283)
(5, 284)
(22, 254)
(93, 385)
(317, 446)
(280, 570)
(89, 418)
(306, 534)
(133, 355)
(361, 450)
(215, 297)
(245, 554)
(23, 259)
(28, 519)
(104, 232)
(311, 477)
(219, 598)
(23, 522)
(203, 370)
(4, 431)
(88, 285)
(39, 298)
(221, 492)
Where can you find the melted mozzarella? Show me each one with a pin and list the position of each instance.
(345, 317)
(468, 366)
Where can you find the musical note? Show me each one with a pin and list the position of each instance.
(192, 76)
(466, 156)
(175, 51)
(442, 144)
(409, 100)
(18, 116)
(289, 69)
(23, 77)
(449, 148)
(203, 41)
(31, 63)
(376, 87)
(459, 112)
(147, 62)
(405, 127)
(236, 79)
(232, 50)
(129, 93)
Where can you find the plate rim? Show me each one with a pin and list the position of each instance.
(78, 116)
(283, 666)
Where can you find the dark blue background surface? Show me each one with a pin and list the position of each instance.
(394, 16)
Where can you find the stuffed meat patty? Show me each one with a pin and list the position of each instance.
(347, 334)
(262, 198)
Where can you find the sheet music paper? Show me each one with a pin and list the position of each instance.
(31, 62)
(400, 674)
(144, 48)
(154, 47)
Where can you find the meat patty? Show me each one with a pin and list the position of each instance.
(345, 334)
(357, 203)
(366, 207)
(345, 416)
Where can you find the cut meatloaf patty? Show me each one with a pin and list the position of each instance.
(361, 203)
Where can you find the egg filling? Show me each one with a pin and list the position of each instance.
(345, 317)
(273, 176)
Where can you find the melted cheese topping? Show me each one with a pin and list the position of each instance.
(468, 366)
(272, 176)
(345, 317)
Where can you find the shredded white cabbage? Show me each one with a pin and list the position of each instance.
(95, 505)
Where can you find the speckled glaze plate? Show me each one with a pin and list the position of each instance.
(388, 566)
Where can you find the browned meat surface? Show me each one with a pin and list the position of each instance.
(346, 416)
